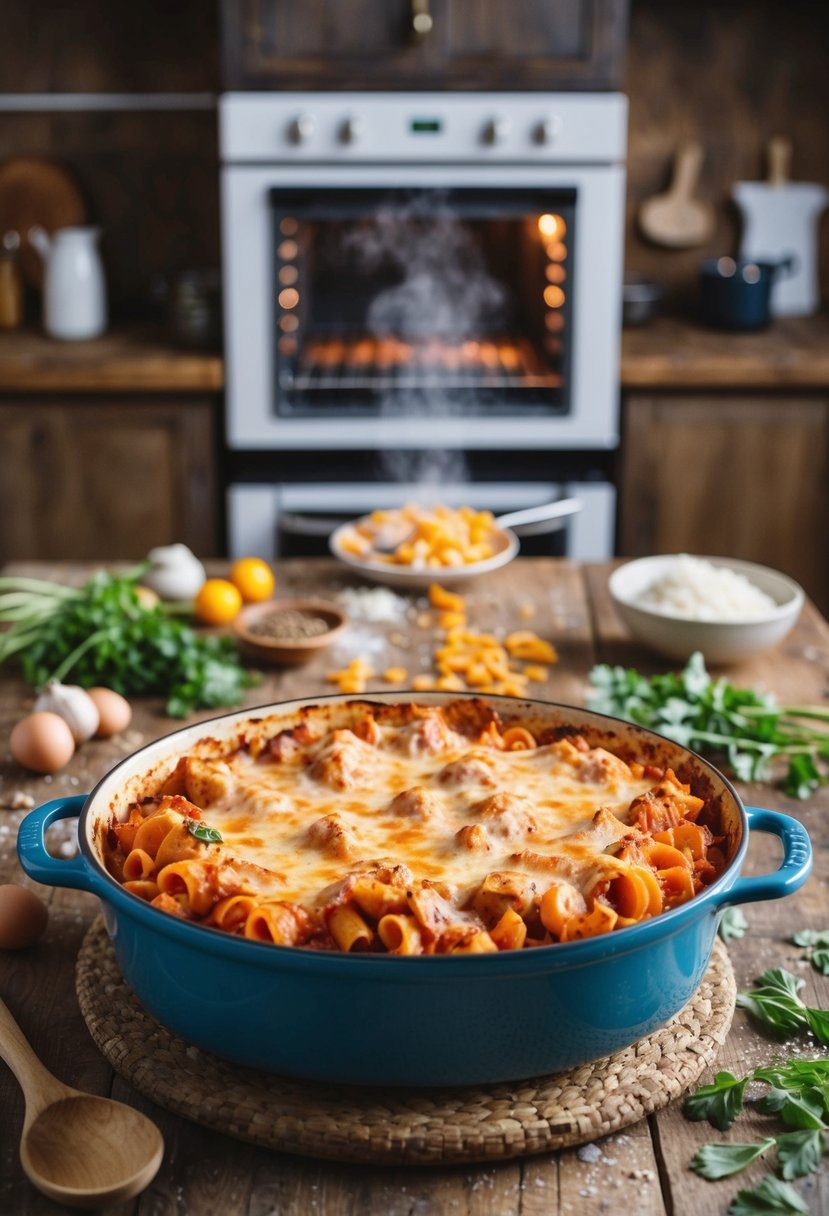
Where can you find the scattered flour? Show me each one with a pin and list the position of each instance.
(373, 604)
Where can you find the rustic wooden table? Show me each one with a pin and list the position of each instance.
(643, 1169)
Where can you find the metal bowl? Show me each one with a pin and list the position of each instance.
(641, 298)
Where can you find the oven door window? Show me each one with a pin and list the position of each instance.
(433, 302)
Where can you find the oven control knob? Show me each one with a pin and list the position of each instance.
(353, 129)
(548, 130)
(497, 130)
(302, 129)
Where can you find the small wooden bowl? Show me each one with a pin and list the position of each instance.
(288, 652)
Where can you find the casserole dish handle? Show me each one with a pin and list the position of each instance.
(794, 869)
(41, 865)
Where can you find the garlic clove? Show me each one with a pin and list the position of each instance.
(175, 572)
(74, 705)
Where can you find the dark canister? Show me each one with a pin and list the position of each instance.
(736, 294)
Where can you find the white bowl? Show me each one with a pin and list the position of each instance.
(721, 641)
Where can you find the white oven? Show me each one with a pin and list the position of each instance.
(419, 276)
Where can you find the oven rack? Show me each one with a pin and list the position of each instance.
(393, 365)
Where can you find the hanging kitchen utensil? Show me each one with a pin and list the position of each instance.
(676, 218)
(780, 220)
(36, 192)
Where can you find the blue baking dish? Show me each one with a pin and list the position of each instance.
(424, 1020)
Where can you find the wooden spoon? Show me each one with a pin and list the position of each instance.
(676, 218)
(79, 1149)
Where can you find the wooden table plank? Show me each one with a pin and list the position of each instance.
(643, 1169)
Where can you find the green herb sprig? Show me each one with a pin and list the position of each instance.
(733, 924)
(749, 728)
(774, 1003)
(202, 832)
(103, 633)
(771, 1198)
(797, 1094)
(816, 947)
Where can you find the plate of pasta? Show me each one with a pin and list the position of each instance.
(439, 890)
(411, 546)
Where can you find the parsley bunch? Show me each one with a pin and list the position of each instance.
(708, 715)
(103, 633)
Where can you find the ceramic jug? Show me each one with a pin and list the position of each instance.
(74, 290)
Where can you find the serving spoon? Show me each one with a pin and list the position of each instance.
(79, 1149)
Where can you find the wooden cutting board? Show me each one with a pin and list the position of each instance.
(37, 191)
(676, 218)
(780, 220)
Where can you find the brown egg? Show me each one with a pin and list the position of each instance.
(115, 711)
(23, 917)
(42, 742)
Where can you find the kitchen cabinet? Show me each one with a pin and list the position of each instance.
(106, 477)
(107, 447)
(742, 474)
(423, 44)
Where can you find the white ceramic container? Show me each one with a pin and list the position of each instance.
(74, 288)
(721, 641)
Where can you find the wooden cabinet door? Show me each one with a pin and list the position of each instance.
(88, 481)
(729, 476)
(535, 44)
(467, 44)
(320, 44)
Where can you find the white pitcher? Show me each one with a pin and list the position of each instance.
(74, 289)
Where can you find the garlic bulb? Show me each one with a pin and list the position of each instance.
(175, 572)
(74, 705)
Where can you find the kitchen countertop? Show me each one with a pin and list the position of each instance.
(670, 353)
(643, 1169)
(127, 359)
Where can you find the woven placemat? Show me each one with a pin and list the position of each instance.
(434, 1126)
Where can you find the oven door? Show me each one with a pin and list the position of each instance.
(482, 305)
(296, 519)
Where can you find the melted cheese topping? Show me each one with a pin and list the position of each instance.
(420, 795)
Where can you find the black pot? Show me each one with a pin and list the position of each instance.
(736, 294)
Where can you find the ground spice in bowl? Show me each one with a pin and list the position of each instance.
(288, 631)
(289, 625)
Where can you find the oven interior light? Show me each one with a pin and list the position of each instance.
(288, 250)
(553, 296)
(289, 226)
(288, 297)
(551, 227)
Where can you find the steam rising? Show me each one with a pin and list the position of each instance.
(438, 286)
